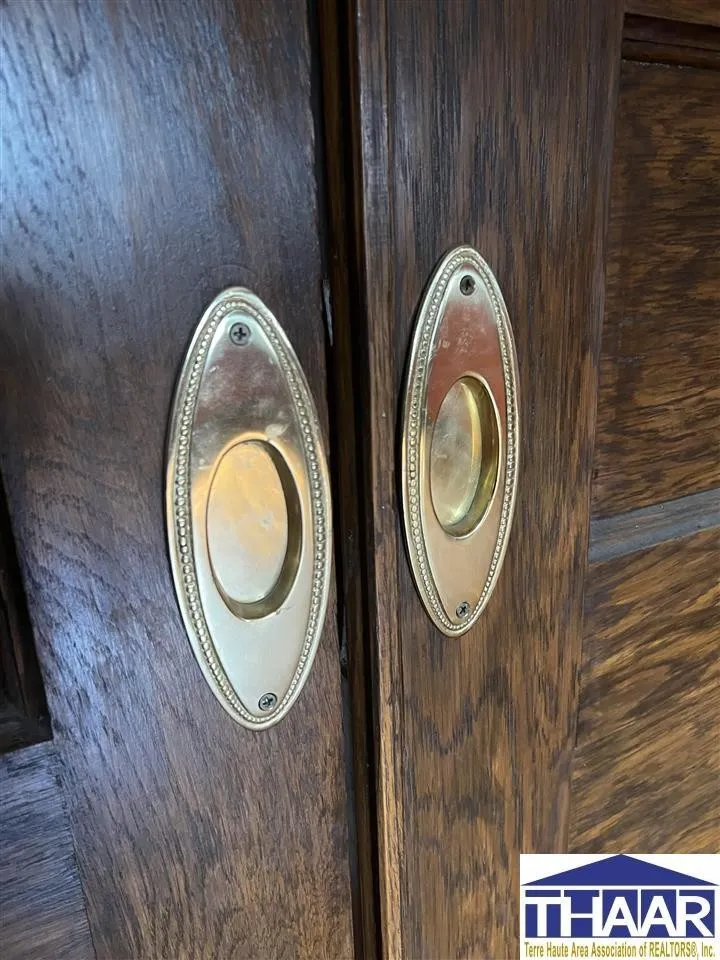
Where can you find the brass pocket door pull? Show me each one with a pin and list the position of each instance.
(459, 441)
(248, 510)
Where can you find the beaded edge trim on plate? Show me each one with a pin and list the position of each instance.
(184, 559)
(418, 380)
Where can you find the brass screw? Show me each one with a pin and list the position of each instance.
(463, 610)
(240, 334)
(267, 701)
(467, 285)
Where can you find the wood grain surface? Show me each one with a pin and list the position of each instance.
(148, 162)
(688, 11)
(658, 428)
(42, 913)
(646, 773)
(491, 124)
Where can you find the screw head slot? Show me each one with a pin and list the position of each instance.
(240, 334)
(467, 285)
(267, 701)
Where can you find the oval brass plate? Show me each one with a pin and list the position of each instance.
(459, 441)
(248, 510)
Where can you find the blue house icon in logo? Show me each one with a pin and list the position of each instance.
(619, 896)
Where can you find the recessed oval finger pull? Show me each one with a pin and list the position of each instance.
(459, 441)
(248, 510)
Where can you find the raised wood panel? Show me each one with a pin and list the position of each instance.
(658, 420)
(474, 127)
(646, 772)
(689, 11)
(42, 913)
(150, 160)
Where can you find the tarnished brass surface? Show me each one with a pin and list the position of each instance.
(459, 441)
(464, 456)
(248, 510)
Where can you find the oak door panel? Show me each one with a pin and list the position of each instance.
(646, 772)
(658, 420)
(154, 154)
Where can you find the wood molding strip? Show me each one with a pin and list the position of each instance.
(346, 376)
(636, 530)
(680, 11)
(368, 43)
(670, 56)
(658, 30)
(657, 40)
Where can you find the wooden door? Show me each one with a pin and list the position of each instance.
(581, 713)
(152, 154)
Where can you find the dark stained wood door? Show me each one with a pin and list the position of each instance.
(575, 145)
(152, 154)
(489, 124)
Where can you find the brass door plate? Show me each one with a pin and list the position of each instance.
(459, 441)
(248, 510)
